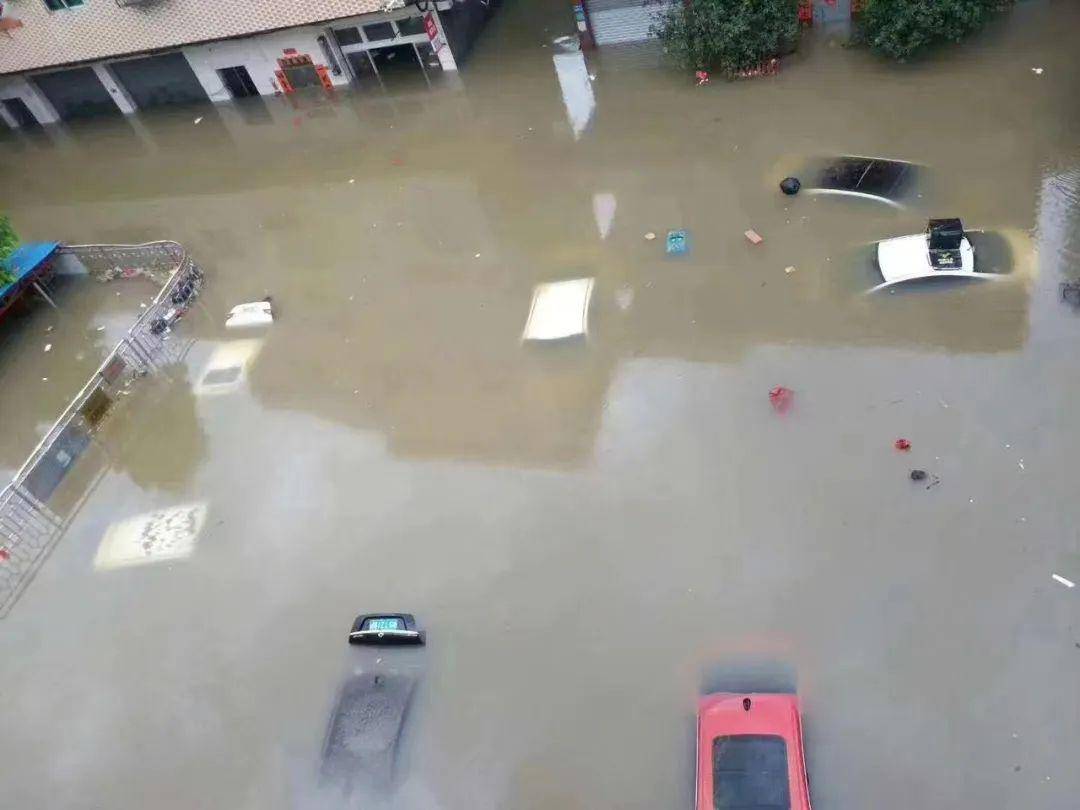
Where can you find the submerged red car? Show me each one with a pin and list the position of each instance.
(750, 753)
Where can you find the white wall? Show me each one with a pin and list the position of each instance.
(259, 54)
(19, 87)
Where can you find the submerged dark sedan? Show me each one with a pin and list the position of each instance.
(893, 182)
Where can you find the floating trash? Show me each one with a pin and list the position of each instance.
(902, 444)
(559, 310)
(790, 186)
(678, 242)
(781, 399)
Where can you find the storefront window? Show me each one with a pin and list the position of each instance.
(347, 36)
(410, 26)
(378, 31)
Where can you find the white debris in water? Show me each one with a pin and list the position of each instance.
(48, 347)
(1020, 464)
(1037, 71)
(477, 256)
(352, 179)
(198, 120)
(101, 328)
(650, 236)
(1068, 583)
(789, 269)
(44, 379)
(559, 309)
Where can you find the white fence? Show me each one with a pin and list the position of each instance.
(28, 527)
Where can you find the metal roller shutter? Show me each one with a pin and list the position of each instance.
(615, 21)
(157, 80)
(76, 93)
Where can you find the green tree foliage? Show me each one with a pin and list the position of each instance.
(9, 240)
(727, 35)
(904, 28)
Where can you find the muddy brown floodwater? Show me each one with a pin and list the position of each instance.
(584, 528)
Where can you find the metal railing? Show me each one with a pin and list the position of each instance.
(28, 526)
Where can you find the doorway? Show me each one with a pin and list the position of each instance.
(21, 114)
(238, 81)
(395, 54)
(76, 93)
(155, 81)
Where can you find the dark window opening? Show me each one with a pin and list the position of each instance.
(409, 26)
(347, 36)
(379, 31)
(238, 82)
(750, 772)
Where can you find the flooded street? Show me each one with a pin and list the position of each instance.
(583, 527)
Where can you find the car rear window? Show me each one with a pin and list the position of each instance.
(750, 773)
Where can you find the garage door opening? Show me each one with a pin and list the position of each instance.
(76, 93)
(238, 82)
(156, 81)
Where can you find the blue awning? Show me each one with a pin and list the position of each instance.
(24, 261)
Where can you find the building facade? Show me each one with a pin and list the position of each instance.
(66, 59)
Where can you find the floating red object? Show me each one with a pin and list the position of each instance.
(5, 555)
(902, 444)
(781, 399)
(702, 77)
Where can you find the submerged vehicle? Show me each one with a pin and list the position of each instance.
(944, 250)
(360, 748)
(892, 182)
(750, 753)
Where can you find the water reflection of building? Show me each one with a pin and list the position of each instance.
(134, 54)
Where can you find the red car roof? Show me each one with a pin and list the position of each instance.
(724, 715)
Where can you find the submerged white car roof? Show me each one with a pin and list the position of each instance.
(907, 258)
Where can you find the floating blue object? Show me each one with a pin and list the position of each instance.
(678, 242)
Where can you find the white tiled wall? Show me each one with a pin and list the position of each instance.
(258, 54)
(101, 28)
